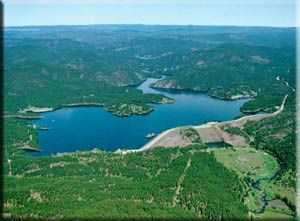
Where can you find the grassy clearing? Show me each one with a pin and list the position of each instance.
(279, 206)
(248, 162)
(273, 215)
(251, 165)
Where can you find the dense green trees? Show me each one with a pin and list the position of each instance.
(232, 71)
(54, 73)
(103, 184)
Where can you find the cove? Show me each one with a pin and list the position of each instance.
(86, 128)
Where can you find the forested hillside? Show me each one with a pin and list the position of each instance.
(234, 71)
(92, 64)
(55, 73)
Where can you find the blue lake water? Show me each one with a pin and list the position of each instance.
(85, 128)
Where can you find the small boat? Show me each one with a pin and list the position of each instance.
(150, 135)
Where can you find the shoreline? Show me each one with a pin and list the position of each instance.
(205, 125)
(30, 149)
(230, 98)
(50, 109)
(159, 136)
(22, 117)
(206, 92)
(148, 146)
(165, 100)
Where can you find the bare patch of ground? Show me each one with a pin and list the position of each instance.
(209, 134)
(35, 195)
(213, 134)
(243, 159)
(170, 139)
(179, 183)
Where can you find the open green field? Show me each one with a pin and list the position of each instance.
(274, 215)
(248, 162)
(252, 165)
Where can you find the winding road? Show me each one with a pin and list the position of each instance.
(241, 121)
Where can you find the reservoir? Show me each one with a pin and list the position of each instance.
(86, 128)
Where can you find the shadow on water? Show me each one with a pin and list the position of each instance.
(218, 144)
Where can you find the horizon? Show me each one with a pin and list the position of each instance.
(246, 13)
(137, 24)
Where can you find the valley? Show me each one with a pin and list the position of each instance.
(221, 102)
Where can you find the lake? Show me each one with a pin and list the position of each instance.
(86, 128)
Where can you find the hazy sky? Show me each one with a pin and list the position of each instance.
(196, 12)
